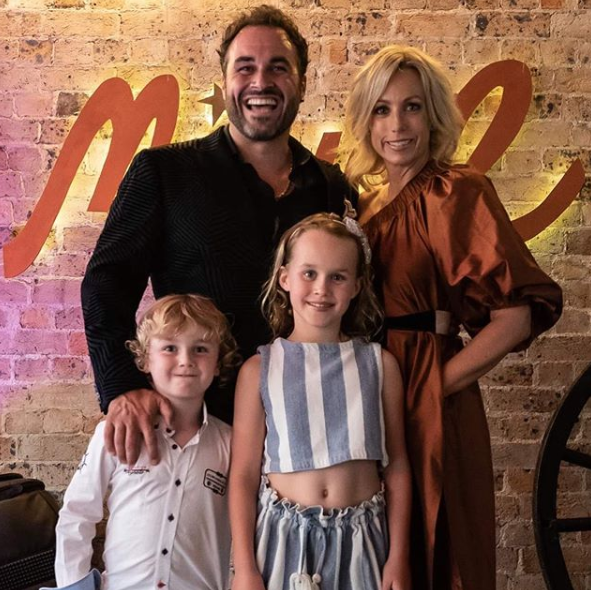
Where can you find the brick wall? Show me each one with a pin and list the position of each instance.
(54, 54)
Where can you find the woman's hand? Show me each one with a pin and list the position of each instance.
(507, 328)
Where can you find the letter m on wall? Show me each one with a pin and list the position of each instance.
(113, 100)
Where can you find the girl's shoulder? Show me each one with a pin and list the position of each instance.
(253, 361)
(251, 366)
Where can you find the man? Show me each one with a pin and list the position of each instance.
(203, 217)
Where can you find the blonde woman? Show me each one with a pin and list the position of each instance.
(445, 254)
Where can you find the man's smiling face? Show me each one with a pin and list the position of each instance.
(263, 87)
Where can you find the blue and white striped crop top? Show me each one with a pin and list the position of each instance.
(317, 413)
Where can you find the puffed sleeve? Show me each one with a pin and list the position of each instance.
(82, 510)
(481, 256)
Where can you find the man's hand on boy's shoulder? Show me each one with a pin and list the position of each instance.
(130, 423)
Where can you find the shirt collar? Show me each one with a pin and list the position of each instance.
(301, 155)
(169, 432)
(205, 416)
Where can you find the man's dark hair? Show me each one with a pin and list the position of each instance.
(266, 16)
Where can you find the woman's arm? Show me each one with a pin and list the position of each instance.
(487, 268)
(507, 328)
(245, 472)
(397, 477)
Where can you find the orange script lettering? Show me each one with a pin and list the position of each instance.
(159, 100)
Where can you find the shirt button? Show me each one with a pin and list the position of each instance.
(164, 551)
(177, 482)
(171, 517)
(175, 447)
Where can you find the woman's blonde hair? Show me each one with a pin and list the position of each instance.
(174, 313)
(363, 165)
(364, 316)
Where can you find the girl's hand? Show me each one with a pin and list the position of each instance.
(248, 581)
(396, 576)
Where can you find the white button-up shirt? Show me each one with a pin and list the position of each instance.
(168, 524)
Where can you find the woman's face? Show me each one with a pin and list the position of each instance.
(399, 128)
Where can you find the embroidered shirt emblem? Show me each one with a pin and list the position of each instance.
(83, 462)
(215, 481)
(137, 470)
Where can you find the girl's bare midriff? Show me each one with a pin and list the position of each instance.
(339, 486)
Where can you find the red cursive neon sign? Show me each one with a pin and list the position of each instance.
(159, 100)
(130, 118)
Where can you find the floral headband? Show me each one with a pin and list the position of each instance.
(351, 223)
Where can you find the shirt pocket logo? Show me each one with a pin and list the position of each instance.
(215, 481)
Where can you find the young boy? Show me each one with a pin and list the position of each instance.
(168, 525)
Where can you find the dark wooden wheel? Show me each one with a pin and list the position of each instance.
(554, 452)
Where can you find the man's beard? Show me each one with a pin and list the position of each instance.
(262, 131)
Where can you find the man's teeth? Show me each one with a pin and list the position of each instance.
(261, 102)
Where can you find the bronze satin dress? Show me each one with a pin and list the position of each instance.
(446, 242)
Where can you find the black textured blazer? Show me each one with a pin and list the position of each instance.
(185, 216)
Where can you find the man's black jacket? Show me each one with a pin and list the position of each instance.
(193, 218)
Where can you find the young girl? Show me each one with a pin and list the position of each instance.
(322, 408)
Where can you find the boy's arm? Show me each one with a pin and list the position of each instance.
(82, 509)
(397, 476)
(245, 473)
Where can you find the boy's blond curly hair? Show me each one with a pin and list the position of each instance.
(173, 313)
